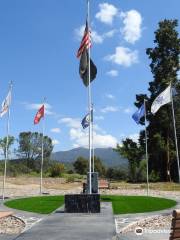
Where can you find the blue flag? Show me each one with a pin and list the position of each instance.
(85, 122)
(139, 114)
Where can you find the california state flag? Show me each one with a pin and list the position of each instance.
(39, 115)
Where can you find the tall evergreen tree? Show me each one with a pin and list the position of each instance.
(164, 67)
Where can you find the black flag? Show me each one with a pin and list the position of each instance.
(84, 68)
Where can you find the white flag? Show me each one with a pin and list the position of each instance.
(162, 99)
(5, 104)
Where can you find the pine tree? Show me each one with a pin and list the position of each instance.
(164, 67)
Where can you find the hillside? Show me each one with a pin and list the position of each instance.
(109, 157)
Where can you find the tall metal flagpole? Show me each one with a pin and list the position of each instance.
(7, 142)
(175, 135)
(147, 160)
(42, 151)
(93, 137)
(89, 98)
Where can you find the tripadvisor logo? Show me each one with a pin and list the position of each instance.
(138, 231)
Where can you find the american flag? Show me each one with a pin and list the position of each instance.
(85, 42)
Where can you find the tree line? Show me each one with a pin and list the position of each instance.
(164, 66)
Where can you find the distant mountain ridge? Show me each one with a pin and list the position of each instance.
(109, 157)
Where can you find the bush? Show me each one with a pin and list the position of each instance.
(70, 179)
(154, 176)
(56, 170)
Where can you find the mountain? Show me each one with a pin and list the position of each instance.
(109, 157)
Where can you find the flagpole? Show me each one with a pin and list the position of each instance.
(89, 99)
(92, 137)
(147, 160)
(7, 142)
(42, 151)
(175, 135)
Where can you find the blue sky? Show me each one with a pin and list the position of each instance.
(38, 45)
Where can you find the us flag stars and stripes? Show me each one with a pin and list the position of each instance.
(85, 42)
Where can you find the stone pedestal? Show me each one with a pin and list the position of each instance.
(82, 203)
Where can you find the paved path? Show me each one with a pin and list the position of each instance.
(29, 218)
(67, 226)
(124, 220)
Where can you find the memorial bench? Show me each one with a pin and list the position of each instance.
(103, 184)
(175, 226)
(5, 214)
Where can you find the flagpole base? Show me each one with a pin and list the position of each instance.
(82, 203)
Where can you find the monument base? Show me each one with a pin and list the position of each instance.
(82, 203)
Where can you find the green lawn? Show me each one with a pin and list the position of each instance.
(137, 204)
(120, 204)
(44, 205)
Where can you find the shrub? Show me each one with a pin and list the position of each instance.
(56, 170)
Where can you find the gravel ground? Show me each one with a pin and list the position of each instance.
(11, 225)
(150, 223)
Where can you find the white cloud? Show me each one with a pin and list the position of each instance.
(109, 34)
(112, 73)
(123, 56)
(98, 118)
(71, 122)
(80, 139)
(134, 137)
(132, 26)
(110, 96)
(79, 32)
(109, 109)
(55, 130)
(55, 142)
(96, 37)
(128, 110)
(36, 106)
(106, 13)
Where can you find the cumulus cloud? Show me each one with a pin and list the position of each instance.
(55, 130)
(112, 73)
(36, 106)
(96, 37)
(55, 142)
(132, 21)
(71, 122)
(106, 13)
(109, 109)
(81, 139)
(123, 56)
(109, 34)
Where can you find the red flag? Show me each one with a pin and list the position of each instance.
(39, 115)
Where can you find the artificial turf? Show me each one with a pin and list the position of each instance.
(43, 205)
(120, 204)
(137, 204)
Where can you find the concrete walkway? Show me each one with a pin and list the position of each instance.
(124, 220)
(28, 217)
(67, 226)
